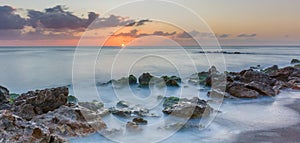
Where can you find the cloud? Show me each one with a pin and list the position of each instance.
(194, 34)
(58, 18)
(223, 36)
(134, 33)
(138, 23)
(10, 20)
(246, 35)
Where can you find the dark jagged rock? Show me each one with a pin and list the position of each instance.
(248, 76)
(145, 79)
(295, 61)
(261, 88)
(40, 101)
(4, 94)
(240, 90)
(285, 73)
(16, 129)
(170, 101)
(271, 70)
(140, 121)
(185, 108)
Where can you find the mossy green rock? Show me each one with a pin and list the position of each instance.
(72, 100)
(271, 69)
(170, 101)
(295, 61)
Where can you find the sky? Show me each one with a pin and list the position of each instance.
(148, 22)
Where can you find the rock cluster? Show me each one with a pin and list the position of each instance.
(43, 116)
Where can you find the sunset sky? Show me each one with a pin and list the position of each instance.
(62, 23)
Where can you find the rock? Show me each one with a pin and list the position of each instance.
(144, 79)
(170, 101)
(95, 106)
(295, 61)
(185, 108)
(40, 101)
(123, 104)
(127, 110)
(132, 79)
(16, 129)
(140, 121)
(297, 66)
(257, 67)
(171, 81)
(241, 91)
(271, 70)
(261, 88)
(285, 73)
(132, 126)
(248, 76)
(214, 93)
(4, 94)
(72, 100)
(71, 121)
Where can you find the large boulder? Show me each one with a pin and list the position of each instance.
(171, 81)
(270, 70)
(240, 90)
(188, 108)
(248, 76)
(40, 101)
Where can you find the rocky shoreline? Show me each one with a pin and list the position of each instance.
(52, 115)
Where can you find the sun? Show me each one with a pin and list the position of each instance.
(123, 45)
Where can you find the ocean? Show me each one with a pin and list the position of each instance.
(30, 68)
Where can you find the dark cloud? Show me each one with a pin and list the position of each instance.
(134, 33)
(139, 23)
(10, 20)
(223, 36)
(246, 35)
(56, 18)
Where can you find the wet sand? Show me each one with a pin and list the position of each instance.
(289, 134)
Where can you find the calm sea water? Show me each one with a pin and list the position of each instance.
(30, 68)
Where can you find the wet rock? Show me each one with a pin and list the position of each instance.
(129, 110)
(271, 70)
(132, 126)
(123, 104)
(189, 108)
(171, 81)
(95, 106)
(140, 121)
(72, 100)
(145, 79)
(285, 73)
(240, 90)
(4, 94)
(170, 101)
(248, 76)
(295, 61)
(40, 101)
(297, 66)
(214, 93)
(261, 88)
(71, 121)
(16, 129)
(132, 79)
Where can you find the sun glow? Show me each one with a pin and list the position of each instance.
(123, 45)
